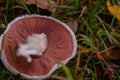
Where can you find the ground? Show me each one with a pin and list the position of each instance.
(97, 32)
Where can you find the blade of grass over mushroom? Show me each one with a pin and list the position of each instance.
(67, 71)
(12, 55)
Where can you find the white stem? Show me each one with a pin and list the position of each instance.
(36, 45)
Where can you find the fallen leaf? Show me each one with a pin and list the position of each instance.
(73, 25)
(113, 9)
(44, 4)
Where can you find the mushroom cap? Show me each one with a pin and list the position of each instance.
(62, 45)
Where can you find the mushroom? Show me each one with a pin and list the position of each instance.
(33, 45)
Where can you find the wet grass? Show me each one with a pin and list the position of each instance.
(97, 33)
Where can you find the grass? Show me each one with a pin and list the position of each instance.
(97, 33)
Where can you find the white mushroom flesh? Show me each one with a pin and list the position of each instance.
(36, 44)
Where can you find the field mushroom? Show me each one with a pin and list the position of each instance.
(60, 46)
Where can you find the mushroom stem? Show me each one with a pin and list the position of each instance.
(36, 44)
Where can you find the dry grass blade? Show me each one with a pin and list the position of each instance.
(13, 56)
(17, 6)
(82, 12)
(80, 52)
(104, 28)
(58, 77)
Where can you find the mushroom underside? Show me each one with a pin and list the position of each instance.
(59, 47)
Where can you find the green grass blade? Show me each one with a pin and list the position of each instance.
(24, 5)
(67, 71)
(96, 8)
(115, 34)
(113, 2)
(115, 41)
(7, 5)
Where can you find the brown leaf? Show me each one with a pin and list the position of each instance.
(73, 25)
(45, 4)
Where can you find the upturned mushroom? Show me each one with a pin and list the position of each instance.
(33, 45)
